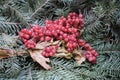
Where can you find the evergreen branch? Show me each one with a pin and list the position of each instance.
(15, 16)
(10, 27)
(36, 12)
(101, 37)
(5, 2)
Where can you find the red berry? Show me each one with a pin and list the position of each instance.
(90, 59)
(58, 31)
(55, 35)
(69, 45)
(61, 33)
(43, 53)
(95, 54)
(66, 39)
(80, 15)
(81, 42)
(74, 44)
(69, 49)
(60, 37)
(32, 46)
(64, 35)
(24, 30)
(68, 27)
(42, 39)
(47, 38)
(51, 54)
(21, 34)
(47, 32)
(72, 38)
(24, 40)
(56, 47)
(26, 36)
(53, 51)
(93, 62)
(63, 28)
(88, 47)
(47, 49)
(87, 55)
(46, 54)
(30, 32)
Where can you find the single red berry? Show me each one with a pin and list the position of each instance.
(24, 30)
(30, 32)
(93, 62)
(58, 31)
(32, 46)
(90, 59)
(47, 38)
(69, 45)
(81, 42)
(43, 53)
(24, 40)
(69, 50)
(66, 39)
(87, 55)
(51, 54)
(74, 44)
(60, 37)
(95, 54)
(56, 47)
(55, 35)
(64, 35)
(68, 27)
(46, 54)
(26, 36)
(61, 33)
(63, 28)
(53, 51)
(88, 47)
(47, 49)
(72, 38)
(80, 15)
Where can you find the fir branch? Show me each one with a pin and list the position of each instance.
(36, 12)
(15, 16)
(10, 27)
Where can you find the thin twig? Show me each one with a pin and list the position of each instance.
(39, 9)
(9, 23)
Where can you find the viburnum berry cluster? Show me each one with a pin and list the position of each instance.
(63, 29)
(91, 54)
(49, 51)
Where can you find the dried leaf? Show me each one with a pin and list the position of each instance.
(80, 61)
(37, 56)
(64, 55)
(5, 53)
(61, 50)
(20, 52)
(79, 56)
(42, 45)
(56, 42)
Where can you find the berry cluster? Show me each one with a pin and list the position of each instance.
(64, 29)
(49, 51)
(91, 54)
